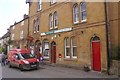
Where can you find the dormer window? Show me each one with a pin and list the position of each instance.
(39, 5)
(52, 1)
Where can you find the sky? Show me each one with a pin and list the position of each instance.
(11, 11)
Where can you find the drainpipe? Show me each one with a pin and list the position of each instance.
(107, 37)
(28, 23)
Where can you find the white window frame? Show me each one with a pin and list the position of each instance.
(39, 5)
(46, 48)
(55, 19)
(65, 41)
(51, 21)
(52, 1)
(21, 34)
(82, 11)
(22, 23)
(75, 19)
(34, 25)
(37, 26)
(13, 36)
(72, 48)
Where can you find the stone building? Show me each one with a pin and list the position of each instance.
(19, 33)
(73, 33)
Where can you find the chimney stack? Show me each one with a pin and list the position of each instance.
(25, 16)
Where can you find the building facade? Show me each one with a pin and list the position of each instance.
(72, 33)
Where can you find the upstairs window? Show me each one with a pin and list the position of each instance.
(34, 26)
(75, 14)
(13, 36)
(67, 48)
(37, 25)
(39, 5)
(52, 1)
(55, 20)
(83, 11)
(51, 21)
(21, 35)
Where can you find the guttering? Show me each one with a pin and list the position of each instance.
(107, 37)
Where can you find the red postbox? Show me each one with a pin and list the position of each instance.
(60, 55)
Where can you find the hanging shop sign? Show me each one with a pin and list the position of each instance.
(49, 32)
(63, 30)
(56, 31)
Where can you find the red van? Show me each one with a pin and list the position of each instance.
(22, 59)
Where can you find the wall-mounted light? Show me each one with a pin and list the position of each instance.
(82, 32)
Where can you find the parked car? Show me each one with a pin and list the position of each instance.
(22, 59)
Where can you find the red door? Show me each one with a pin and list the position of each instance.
(53, 52)
(96, 56)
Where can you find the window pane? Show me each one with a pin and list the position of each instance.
(55, 19)
(75, 13)
(67, 42)
(83, 15)
(67, 51)
(83, 11)
(83, 6)
(50, 21)
(74, 51)
(46, 49)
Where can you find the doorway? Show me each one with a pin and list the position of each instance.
(96, 57)
(53, 52)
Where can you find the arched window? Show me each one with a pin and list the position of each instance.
(83, 11)
(37, 26)
(34, 26)
(51, 21)
(74, 47)
(75, 14)
(67, 47)
(55, 20)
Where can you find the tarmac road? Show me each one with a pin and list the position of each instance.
(47, 71)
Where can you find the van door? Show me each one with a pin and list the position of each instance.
(16, 62)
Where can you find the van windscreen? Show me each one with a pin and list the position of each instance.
(26, 56)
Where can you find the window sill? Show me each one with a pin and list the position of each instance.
(70, 59)
(39, 10)
(76, 22)
(83, 21)
(52, 3)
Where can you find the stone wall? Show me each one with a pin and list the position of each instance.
(115, 68)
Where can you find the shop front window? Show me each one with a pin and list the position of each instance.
(67, 48)
(46, 50)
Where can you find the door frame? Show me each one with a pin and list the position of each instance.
(92, 40)
(53, 43)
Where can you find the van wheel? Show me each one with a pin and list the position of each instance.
(21, 67)
(9, 65)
